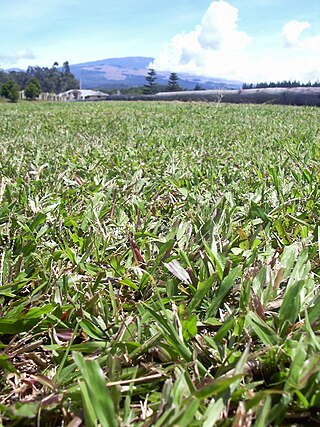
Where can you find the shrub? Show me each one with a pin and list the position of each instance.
(10, 90)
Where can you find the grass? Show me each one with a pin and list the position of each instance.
(159, 265)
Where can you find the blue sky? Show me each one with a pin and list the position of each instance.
(251, 40)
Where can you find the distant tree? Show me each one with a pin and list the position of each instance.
(4, 77)
(10, 90)
(151, 86)
(20, 77)
(198, 87)
(66, 68)
(33, 89)
(53, 79)
(173, 85)
(67, 81)
(284, 84)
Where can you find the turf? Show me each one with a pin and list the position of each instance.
(159, 264)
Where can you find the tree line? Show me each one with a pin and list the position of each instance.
(37, 79)
(284, 83)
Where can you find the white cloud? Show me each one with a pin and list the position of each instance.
(218, 29)
(16, 56)
(217, 48)
(291, 32)
(214, 47)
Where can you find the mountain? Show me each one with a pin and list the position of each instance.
(13, 69)
(121, 73)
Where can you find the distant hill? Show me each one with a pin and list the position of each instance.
(121, 73)
(12, 69)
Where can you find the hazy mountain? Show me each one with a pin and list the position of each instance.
(12, 69)
(117, 73)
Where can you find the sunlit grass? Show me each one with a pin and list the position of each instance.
(159, 264)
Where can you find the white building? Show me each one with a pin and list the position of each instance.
(82, 95)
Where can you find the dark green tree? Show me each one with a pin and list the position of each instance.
(4, 77)
(198, 87)
(20, 77)
(33, 89)
(151, 86)
(66, 68)
(52, 79)
(10, 90)
(173, 85)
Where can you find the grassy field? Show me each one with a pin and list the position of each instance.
(159, 265)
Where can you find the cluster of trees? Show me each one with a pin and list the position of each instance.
(284, 83)
(152, 87)
(36, 80)
(11, 90)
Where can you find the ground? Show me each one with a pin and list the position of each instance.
(159, 264)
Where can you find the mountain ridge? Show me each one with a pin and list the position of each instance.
(130, 71)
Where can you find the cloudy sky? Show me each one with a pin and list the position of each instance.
(249, 40)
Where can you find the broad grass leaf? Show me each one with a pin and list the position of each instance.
(189, 326)
(4, 213)
(266, 334)
(170, 333)
(223, 290)
(5, 363)
(225, 328)
(145, 346)
(188, 413)
(312, 336)
(216, 387)
(274, 173)
(38, 219)
(177, 270)
(96, 386)
(290, 307)
(218, 405)
(201, 292)
(298, 360)
(217, 259)
(314, 311)
(262, 417)
(288, 258)
(257, 212)
(12, 326)
(90, 416)
(92, 330)
(22, 410)
(213, 411)
(301, 268)
(36, 312)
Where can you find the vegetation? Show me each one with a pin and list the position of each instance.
(10, 90)
(198, 87)
(159, 264)
(173, 85)
(284, 83)
(33, 89)
(52, 80)
(151, 85)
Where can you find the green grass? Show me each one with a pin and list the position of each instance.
(159, 265)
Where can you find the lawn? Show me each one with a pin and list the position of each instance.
(159, 264)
